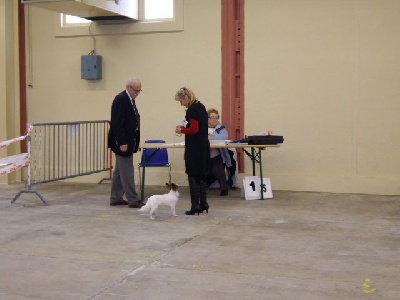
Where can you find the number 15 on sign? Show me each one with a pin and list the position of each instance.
(252, 188)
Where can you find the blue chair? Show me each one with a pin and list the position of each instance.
(153, 157)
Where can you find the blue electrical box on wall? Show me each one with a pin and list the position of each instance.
(91, 67)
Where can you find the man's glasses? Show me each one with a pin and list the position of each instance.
(136, 91)
(213, 117)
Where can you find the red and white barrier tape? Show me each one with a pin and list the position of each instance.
(9, 142)
(14, 163)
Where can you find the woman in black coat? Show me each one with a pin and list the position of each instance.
(197, 148)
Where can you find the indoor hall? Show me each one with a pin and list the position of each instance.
(322, 74)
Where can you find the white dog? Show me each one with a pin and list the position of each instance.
(170, 199)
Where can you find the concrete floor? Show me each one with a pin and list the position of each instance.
(297, 245)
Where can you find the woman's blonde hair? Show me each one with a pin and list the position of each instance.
(183, 92)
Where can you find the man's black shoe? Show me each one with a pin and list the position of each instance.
(119, 202)
(224, 193)
(138, 204)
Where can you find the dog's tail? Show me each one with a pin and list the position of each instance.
(145, 208)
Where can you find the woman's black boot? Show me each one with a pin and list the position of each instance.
(203, 196)
(204, 207)
(193, 211)
(194, 196)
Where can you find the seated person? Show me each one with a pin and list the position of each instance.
(220, 157)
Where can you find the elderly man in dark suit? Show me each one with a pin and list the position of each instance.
(123, 139)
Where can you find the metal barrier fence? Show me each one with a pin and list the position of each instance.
(63, 150)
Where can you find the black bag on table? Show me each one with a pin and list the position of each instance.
(265, 139)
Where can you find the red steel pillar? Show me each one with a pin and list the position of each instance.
(233, 71)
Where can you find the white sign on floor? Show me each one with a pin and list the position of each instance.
(252, 188)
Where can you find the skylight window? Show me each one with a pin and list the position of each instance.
(158, 9)
(153, 10)
(75, 20)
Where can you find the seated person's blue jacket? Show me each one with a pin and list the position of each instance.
(220, 133)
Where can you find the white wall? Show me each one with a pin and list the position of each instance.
(9, 94)
(324, 75)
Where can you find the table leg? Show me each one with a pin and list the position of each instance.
(256, 156)
(253, 161)
(144, 170)
(261, 175)
(253, 158)
(143, 177)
